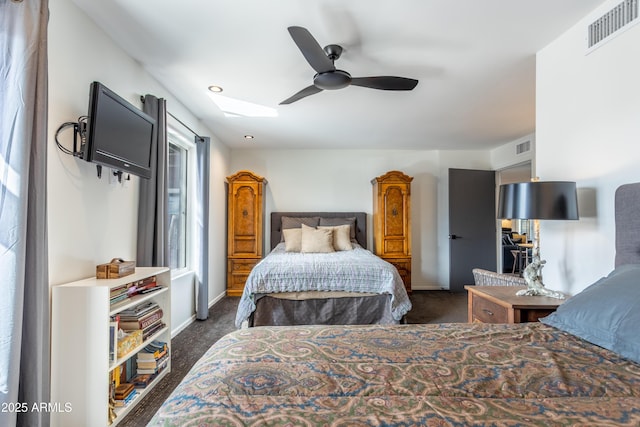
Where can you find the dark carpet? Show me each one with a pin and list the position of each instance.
(190, 344)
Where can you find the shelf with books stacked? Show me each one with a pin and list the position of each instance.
(135, 377)
(99, 328)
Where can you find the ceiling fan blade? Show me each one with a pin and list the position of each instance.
(385, 82)
(313, 53)
(310, 90)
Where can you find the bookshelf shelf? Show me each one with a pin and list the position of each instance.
(133, 301)
(80, 361)
(123, 359)
(122, 412)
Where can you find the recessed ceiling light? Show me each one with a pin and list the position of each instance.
(248, 137)
(216, 89)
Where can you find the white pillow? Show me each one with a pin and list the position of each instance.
(318, 240)
(341, 237)
(292, 239)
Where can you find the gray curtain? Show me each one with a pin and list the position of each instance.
(24, 304)
(202, 221)
(153, 220)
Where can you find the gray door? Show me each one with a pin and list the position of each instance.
(472, 224)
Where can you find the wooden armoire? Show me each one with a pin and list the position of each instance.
(392, 221)
(245, 227)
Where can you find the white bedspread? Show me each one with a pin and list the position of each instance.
(357, 270)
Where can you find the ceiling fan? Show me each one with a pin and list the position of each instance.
(328, 77)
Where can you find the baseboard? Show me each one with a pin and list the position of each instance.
(216, 299)
(184, 324)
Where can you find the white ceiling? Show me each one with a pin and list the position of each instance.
(474, 59)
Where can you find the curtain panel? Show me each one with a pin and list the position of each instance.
(24, 306)
(202, 226)
(153, 219)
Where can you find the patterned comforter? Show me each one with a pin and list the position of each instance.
(428, 375)
(357, 270)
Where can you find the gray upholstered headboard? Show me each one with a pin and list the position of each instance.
(361, 223)
(628, 224)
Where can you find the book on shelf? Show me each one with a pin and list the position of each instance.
(123, 390)
(118, 290)
(142, 380)
(149, 290)
(154, 371)
(153, 365)
(141, 322)
(142, 285)
(143, 355)
(118, 298)
(154, 349)
(113, 339)
(147, 365)
(125, 401)
(151, 371)
(152, 329)
(115, 377)
(138, 311)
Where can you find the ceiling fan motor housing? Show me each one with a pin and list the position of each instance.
(332, 80)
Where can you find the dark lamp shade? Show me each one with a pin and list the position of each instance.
(538, 200)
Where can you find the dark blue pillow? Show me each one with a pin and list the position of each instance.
(607, 313)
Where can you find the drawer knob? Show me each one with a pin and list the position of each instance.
(489, 312)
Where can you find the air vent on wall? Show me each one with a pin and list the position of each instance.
(523, 147)
(612, 22)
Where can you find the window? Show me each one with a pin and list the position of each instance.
(180, 187)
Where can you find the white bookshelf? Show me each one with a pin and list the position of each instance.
(80, 365)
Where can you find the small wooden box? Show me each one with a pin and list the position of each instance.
(115, 269)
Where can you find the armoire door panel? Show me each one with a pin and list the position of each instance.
(245, 211)
(394, 247)
(394, 211)
(244, 246)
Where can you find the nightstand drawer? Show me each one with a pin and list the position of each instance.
(486, 311)
(500, 304)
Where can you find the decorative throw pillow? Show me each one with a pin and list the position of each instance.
(351, 221)
(606, 313)
(318, 240)
(341, 237)
(292, 239)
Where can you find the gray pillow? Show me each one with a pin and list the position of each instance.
(288, 222)
(606, 313)
(296, 222)
(341, 221)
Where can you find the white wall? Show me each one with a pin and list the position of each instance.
(340, 180)
(587, 130)
(91, 220)
(506, 155)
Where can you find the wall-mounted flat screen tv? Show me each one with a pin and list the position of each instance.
(119, 135)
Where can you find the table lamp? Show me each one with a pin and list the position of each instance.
(538, 200)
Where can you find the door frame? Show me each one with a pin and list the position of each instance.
(519, 172)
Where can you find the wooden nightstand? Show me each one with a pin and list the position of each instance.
(500, 304)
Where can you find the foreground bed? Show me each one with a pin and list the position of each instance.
(526, 374)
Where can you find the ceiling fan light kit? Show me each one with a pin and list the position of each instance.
(328, 77)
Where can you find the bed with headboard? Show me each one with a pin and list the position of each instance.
(578, 366)
(332, 284)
